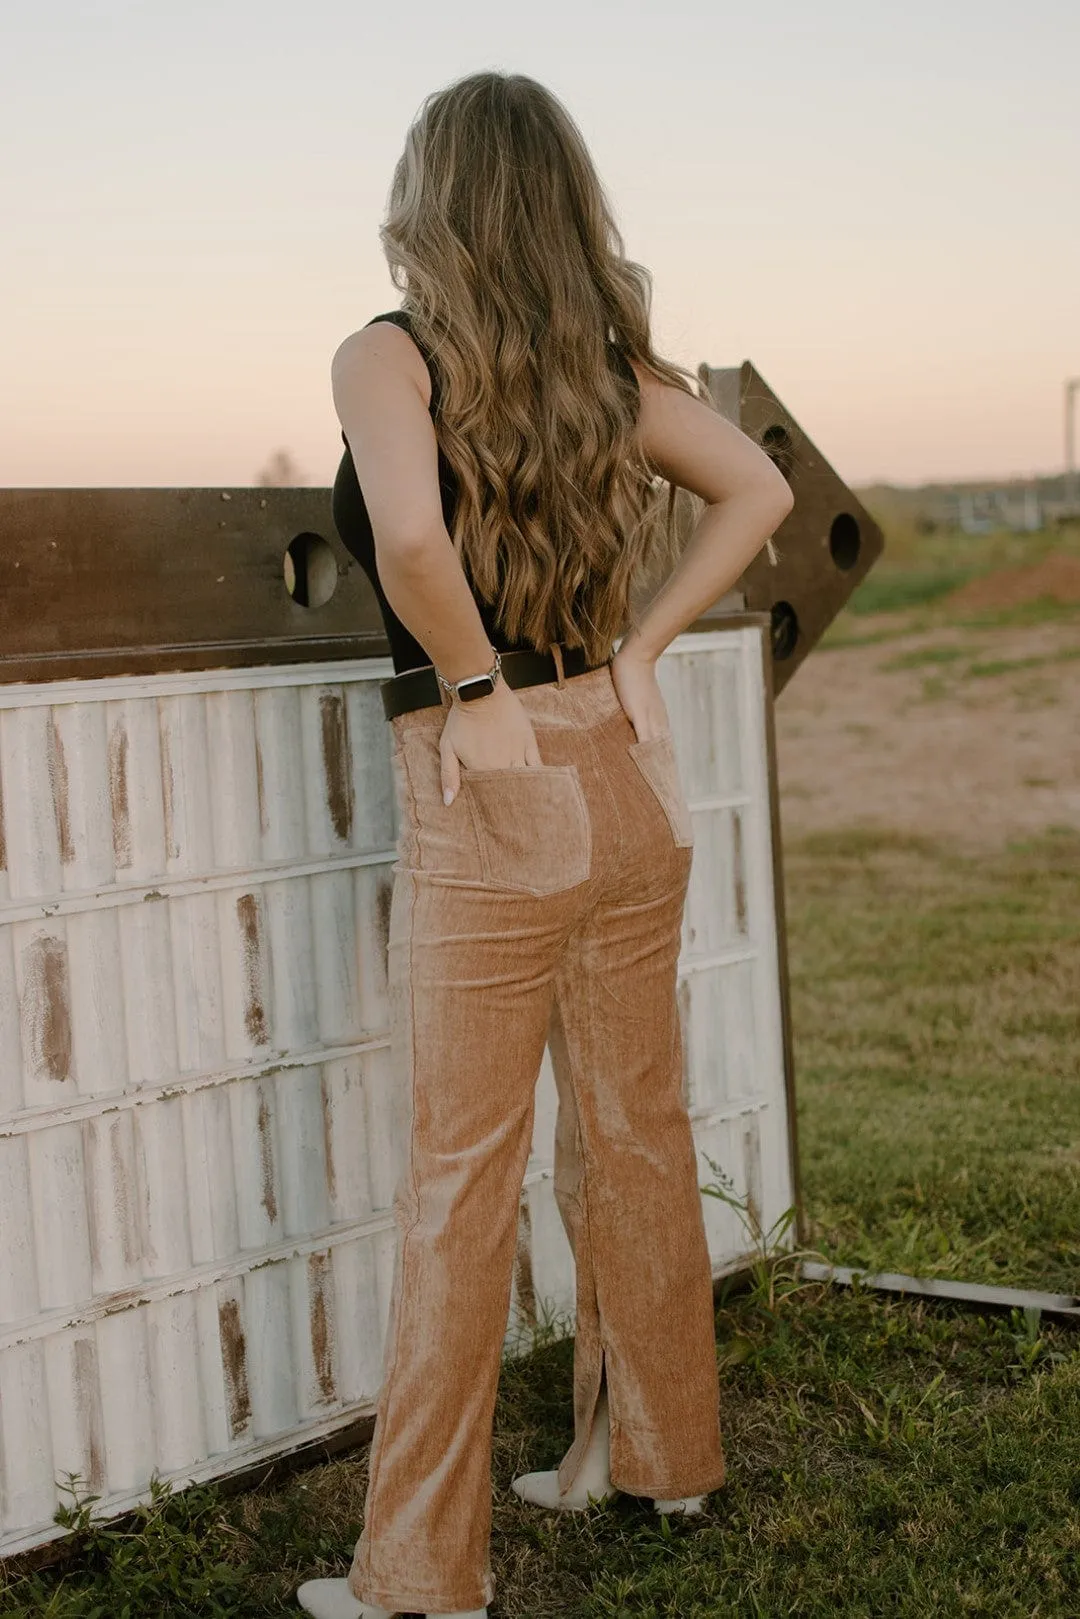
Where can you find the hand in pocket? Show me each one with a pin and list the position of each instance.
(492, 733)
(639, 693)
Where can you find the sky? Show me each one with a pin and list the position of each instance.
(875, 203)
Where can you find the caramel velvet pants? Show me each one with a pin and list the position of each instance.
(544, 904)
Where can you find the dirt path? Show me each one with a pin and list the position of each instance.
(969, 735)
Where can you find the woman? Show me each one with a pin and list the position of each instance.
(510, 428)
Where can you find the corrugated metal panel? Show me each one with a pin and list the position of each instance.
(197, 1156)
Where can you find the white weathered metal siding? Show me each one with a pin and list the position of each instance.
(196, 1150)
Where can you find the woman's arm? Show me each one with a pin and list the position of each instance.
(382, 394)
(746, 498)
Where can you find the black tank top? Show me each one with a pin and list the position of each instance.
(354, 525)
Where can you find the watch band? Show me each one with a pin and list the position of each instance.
(473, 686)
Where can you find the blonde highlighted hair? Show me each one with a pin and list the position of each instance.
(514, 274)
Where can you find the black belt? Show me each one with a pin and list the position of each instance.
(419, 688)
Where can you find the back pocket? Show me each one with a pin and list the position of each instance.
(532, 826)
(655, 758)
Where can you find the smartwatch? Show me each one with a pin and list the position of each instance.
(473, 686)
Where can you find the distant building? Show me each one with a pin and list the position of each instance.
(1023, 505)
(980, 511)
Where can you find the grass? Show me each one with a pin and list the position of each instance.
(1045, 610)
(921, 570)
(938, 1055)
(920, 657)
(895, 590)
(886, 1456)
(1008, 666)
(932, 656)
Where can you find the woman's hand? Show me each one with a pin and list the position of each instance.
(634, 678)
(491, 733)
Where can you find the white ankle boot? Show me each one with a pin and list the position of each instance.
(332, 1599)
(593, 1483)
(688, 1505)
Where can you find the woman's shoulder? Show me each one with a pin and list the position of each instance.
(397, 317)
(365, 343)
(364, 335)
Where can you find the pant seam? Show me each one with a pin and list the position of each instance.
(615, 863)
(573, 955)
(413, 815)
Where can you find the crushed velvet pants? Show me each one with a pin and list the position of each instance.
(544, 905)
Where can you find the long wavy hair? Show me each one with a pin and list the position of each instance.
(500, 236)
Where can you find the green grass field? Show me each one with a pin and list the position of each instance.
(938, 1044)
(887, 1457)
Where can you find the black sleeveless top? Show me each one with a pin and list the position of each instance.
(353, 524)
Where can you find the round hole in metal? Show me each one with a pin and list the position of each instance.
(777, 444)
(785, 630)
(845, 541)
(310, 570)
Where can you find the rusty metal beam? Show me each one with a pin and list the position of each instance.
(825, 547)
(138, 581)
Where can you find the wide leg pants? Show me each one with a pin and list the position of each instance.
(544, 904)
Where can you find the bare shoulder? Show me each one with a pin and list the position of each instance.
(691, 444)
(665, 407)
(379, 353)
(654, 387)
(660, 399)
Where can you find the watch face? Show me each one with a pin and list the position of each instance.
(477, 686)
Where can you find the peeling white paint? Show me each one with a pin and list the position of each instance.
(197, 1157)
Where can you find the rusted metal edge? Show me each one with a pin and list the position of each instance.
(120, 895)
(95, 663)
(802, 1233)
(233, 659)
(92, 663)
(1065, 1305)
(727, 620)
(49, 1115)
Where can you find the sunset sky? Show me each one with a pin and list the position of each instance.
(877, 204)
